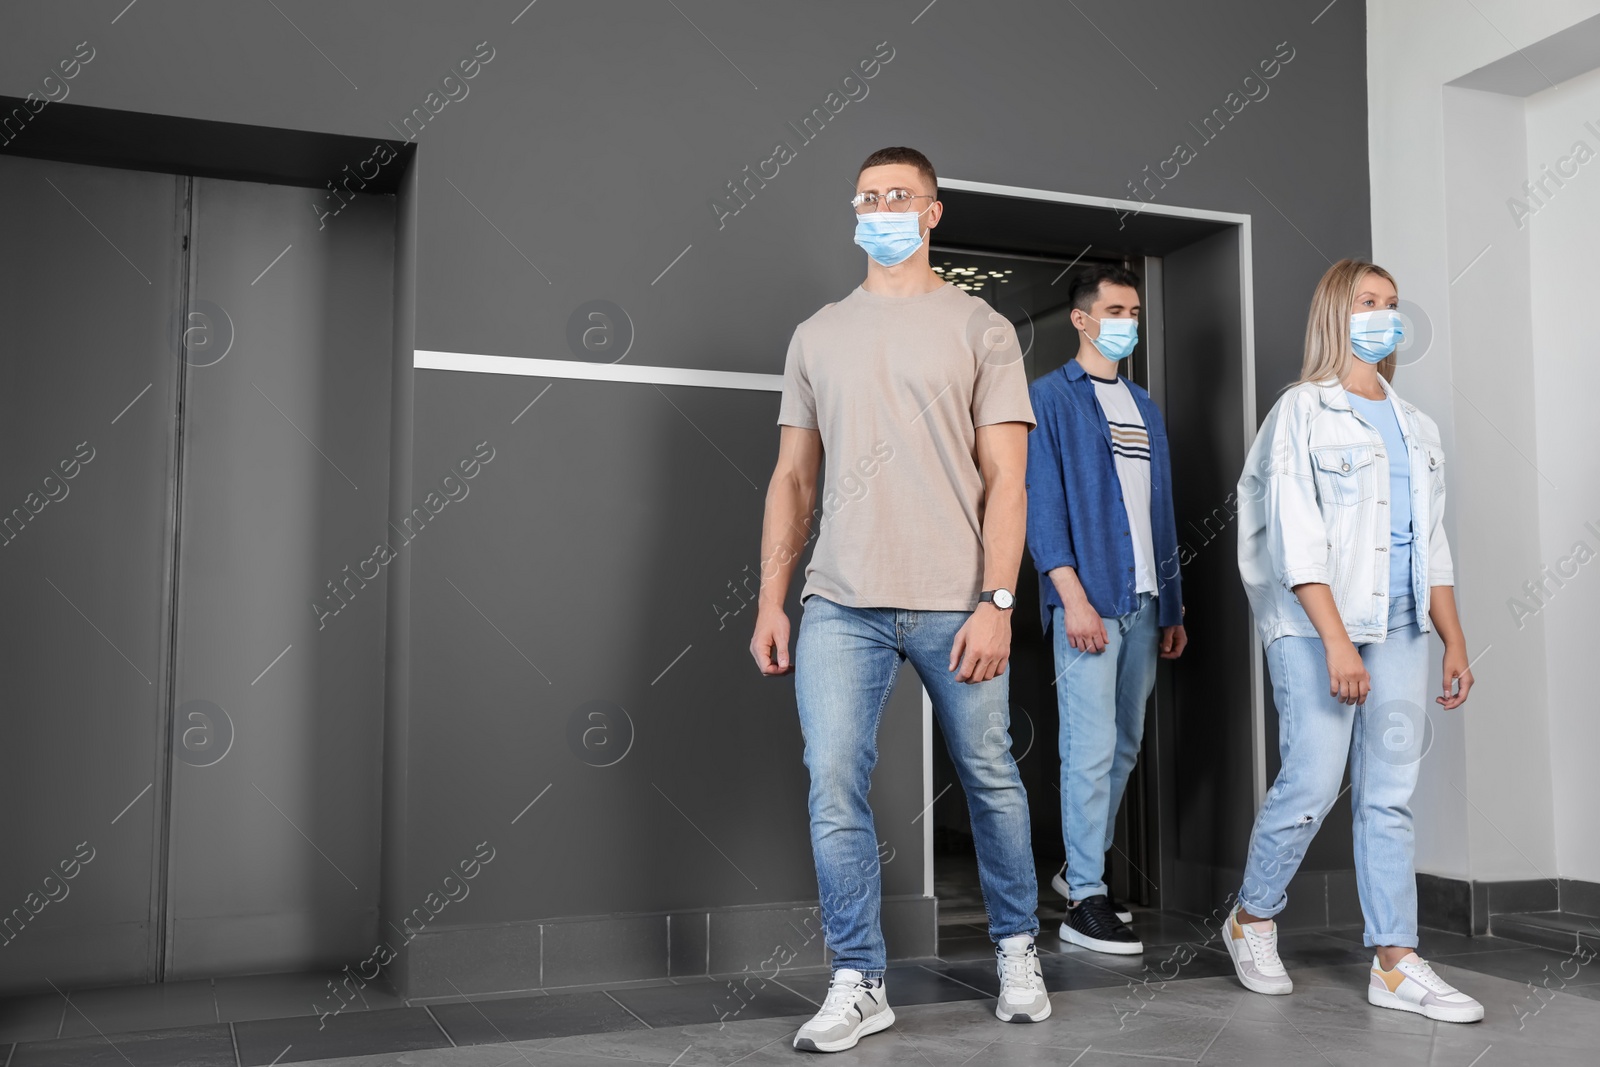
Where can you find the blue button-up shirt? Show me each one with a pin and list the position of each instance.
(1076, 517)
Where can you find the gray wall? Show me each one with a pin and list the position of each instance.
(579, 166)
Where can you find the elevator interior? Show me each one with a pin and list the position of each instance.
(1186, 815)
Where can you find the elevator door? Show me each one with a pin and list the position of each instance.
(278, 673)
(91, 267)
(194, 430)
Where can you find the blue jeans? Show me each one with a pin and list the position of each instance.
(845, 662)
(1384, 741)
(1101, 698)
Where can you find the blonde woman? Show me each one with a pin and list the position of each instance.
(1343, 553)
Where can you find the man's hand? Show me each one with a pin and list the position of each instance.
(1086, 631)
(1173, 641)
(983, 645)
(772, 635)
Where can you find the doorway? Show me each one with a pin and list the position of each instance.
(1187, 812)
(1031, 292)
(194, 428)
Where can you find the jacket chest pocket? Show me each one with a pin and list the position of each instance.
(1435, 459)
(1343, 474)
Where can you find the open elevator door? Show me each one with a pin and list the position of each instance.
(1186, 818)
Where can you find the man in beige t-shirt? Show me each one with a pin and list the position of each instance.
(911, 394)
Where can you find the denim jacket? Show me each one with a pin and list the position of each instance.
(1076, 516)
(1313, 507)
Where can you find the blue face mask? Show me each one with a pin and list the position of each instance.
(890, 237)
(1117, 337)
(1374, 334)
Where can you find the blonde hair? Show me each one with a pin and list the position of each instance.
(1327, 353)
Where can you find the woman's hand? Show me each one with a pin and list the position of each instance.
(1455, 668)
(1347, 675)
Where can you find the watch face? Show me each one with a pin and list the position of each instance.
(1003, 599)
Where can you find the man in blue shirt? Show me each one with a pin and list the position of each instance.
(1102, 537)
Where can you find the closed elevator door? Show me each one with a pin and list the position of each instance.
(194, 428)
(91, 269)
(278, 674)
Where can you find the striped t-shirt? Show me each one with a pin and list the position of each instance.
(1130, 448)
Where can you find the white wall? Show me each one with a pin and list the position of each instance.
(1495, 800)
(1564, 238)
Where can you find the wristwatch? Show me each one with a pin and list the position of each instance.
(1000, 598)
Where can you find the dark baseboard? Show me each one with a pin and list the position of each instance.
(1469, 907)
(1317, 899)
(504, 957)
(1552, 913)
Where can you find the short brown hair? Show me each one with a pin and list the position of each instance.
(910, 156)
(1085, 287)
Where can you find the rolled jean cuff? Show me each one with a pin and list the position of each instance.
(1033, 933)
(1260, 911)
(875, 975)
(1390, 940)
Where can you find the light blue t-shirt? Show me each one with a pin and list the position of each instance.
(1381, 414)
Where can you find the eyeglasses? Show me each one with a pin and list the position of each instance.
(893, 200)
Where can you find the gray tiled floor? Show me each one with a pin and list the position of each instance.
(1201, 1020)
(389, 1030)
(1176, 1003)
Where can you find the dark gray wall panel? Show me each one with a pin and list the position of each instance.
(577, 569)
(90, 266)
(590, 146)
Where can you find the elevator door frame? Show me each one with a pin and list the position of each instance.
(1155, 342)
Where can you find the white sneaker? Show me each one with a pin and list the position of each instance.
(1255, 955)
(1413, 986)
(1023, 998)
(851, 1010)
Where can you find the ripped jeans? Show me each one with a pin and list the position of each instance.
(1384, 740)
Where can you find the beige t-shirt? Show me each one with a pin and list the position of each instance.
(897, 386)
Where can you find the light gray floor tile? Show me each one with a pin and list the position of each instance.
(282, 996)
(1182, 1036)
(472, 1056)
(688, 1046)
(146, 1007)
(894, 1048)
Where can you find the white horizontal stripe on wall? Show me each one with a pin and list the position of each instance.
(474, 363)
